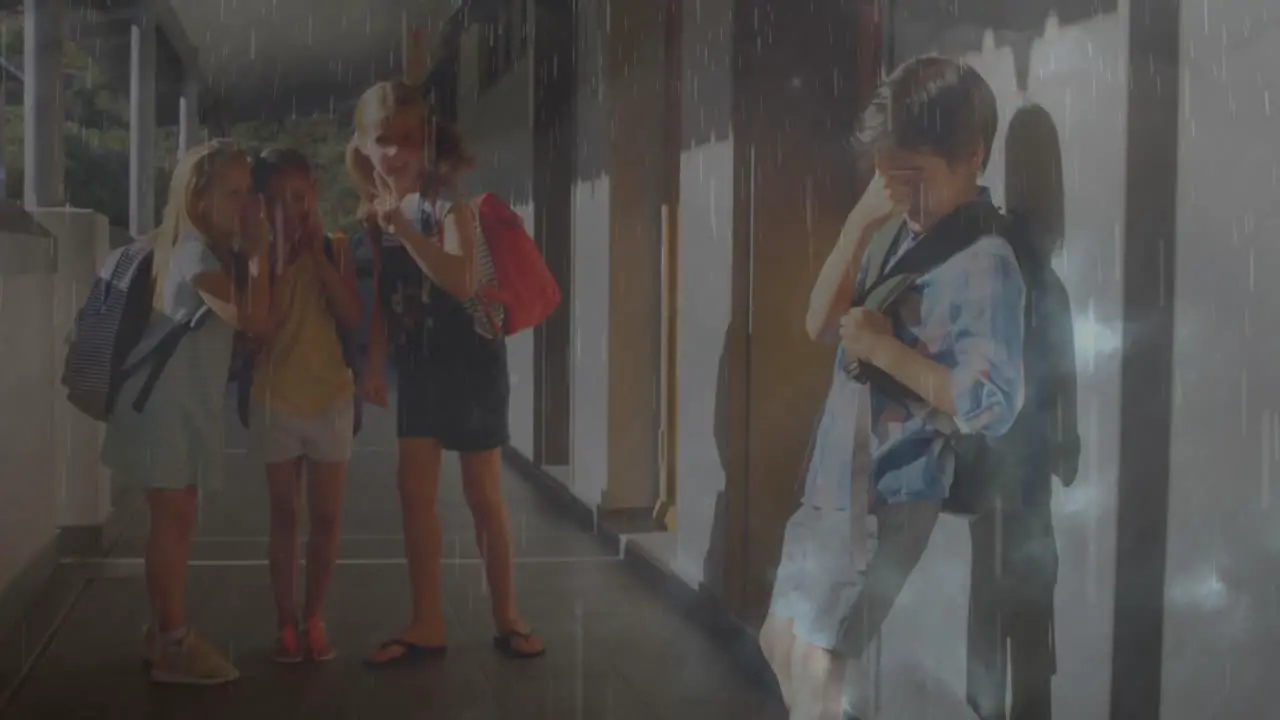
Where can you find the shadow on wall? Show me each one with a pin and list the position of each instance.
(714, 563)
(1033, 175)
(1012, 654)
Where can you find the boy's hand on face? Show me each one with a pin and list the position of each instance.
(887, 196)
(861, 331)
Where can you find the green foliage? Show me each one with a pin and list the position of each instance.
(97, 143)
(324, 140)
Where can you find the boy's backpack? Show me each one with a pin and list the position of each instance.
(352, 355)
(988, 469)
(107, 330)
(525, 287)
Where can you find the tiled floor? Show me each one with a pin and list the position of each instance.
(618, 651)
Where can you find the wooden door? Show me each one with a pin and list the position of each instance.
(802, 77)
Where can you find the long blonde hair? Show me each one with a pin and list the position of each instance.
(195, 172)
(374, 110)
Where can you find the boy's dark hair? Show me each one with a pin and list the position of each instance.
(931, 104)
(275, 161)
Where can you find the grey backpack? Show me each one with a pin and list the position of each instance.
(107, 330)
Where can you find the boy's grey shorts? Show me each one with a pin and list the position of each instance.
(818, 578)
(840, 575)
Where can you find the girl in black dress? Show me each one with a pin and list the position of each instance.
(451, 360)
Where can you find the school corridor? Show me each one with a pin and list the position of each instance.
(685, 167)
(617, 650)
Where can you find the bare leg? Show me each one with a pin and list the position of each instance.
(419, 484)
(326, 483)
(776, 641)
(482, 485)
(817, 683)
(173, 521)
(284, 487)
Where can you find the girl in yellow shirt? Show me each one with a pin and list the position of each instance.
(302, 404)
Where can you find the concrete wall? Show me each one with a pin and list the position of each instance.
(84, 485)
(1222, 627)
(29, 496)
(1077, 73)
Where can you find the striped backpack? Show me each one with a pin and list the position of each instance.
(523, 286)
(107, 330)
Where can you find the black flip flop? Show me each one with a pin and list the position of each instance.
(412, 653)
(503, 642)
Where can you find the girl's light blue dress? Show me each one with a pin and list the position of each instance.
(178, 439)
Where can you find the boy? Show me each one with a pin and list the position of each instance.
(953, 338)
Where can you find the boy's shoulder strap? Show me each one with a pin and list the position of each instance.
(948, 237)
(951, 235)
(878, 250)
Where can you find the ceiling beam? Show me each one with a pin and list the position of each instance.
(171, 25)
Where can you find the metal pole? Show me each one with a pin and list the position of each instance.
(142, 121)
(189, 134)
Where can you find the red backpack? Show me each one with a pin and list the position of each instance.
(525, 288)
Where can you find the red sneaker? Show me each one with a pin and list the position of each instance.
(288, 650)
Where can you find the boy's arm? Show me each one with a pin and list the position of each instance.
(928, 379)
(984, 391)
(832, 292)
(882, 201)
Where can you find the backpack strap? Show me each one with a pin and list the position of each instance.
(947, 238)
(877, 255)
(163, 352)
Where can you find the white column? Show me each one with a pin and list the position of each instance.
(43, 108)
(142, 121)
(189, 134)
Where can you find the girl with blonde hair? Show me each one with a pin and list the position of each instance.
(173, 449)
(451, 360)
